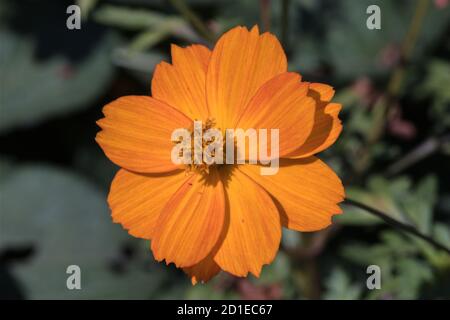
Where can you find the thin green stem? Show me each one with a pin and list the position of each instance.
(394, 85)
(397, 224)
(408, 45)
(193, 19)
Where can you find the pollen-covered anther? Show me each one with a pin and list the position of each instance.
(199, 146)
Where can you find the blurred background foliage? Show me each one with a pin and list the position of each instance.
(393, 154)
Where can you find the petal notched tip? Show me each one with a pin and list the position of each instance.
(327, 125)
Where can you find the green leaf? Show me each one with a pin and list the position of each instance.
(394, 197)
(349, 42)
(411, 275)
(402, 273)
(33, 91)
(340, 287)
(276, 272)
(353, 216)
(419, 205)
(66, 220)
(86, 7)
(135, 19)
(435, 85)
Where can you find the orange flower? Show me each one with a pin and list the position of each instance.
(228, 217)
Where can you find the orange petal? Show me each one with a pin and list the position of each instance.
(306, 191)
(241, 62)
(253, 231)
(203, 271)
(322, 91)
(191, 222)
(282, 103)
(136, 200)
(137, 133)
(327, 126)
(182, 85)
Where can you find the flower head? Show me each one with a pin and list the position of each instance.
(207, 217)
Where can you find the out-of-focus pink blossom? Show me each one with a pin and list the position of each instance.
(399, 127)
(365, 91)
(250, 291)
(441, 4)
(66, 71)
(390, 55)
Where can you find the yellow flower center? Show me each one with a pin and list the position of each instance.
(200, 141)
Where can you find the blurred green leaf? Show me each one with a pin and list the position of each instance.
(86, 7)
(435, 85)
(33, 91)
(403, 274)
(340, 287)
(353, 216)
(139, 64)
(350, 43)
(395, 197)
(276, 272)
(419, 205)
(135, 19)
(67, 221)
(411, 275)
(209, 291)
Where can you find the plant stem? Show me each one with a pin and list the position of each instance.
(408, 45)
(425, 149)
(394, 85)
(397, 224)
(193, 19)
